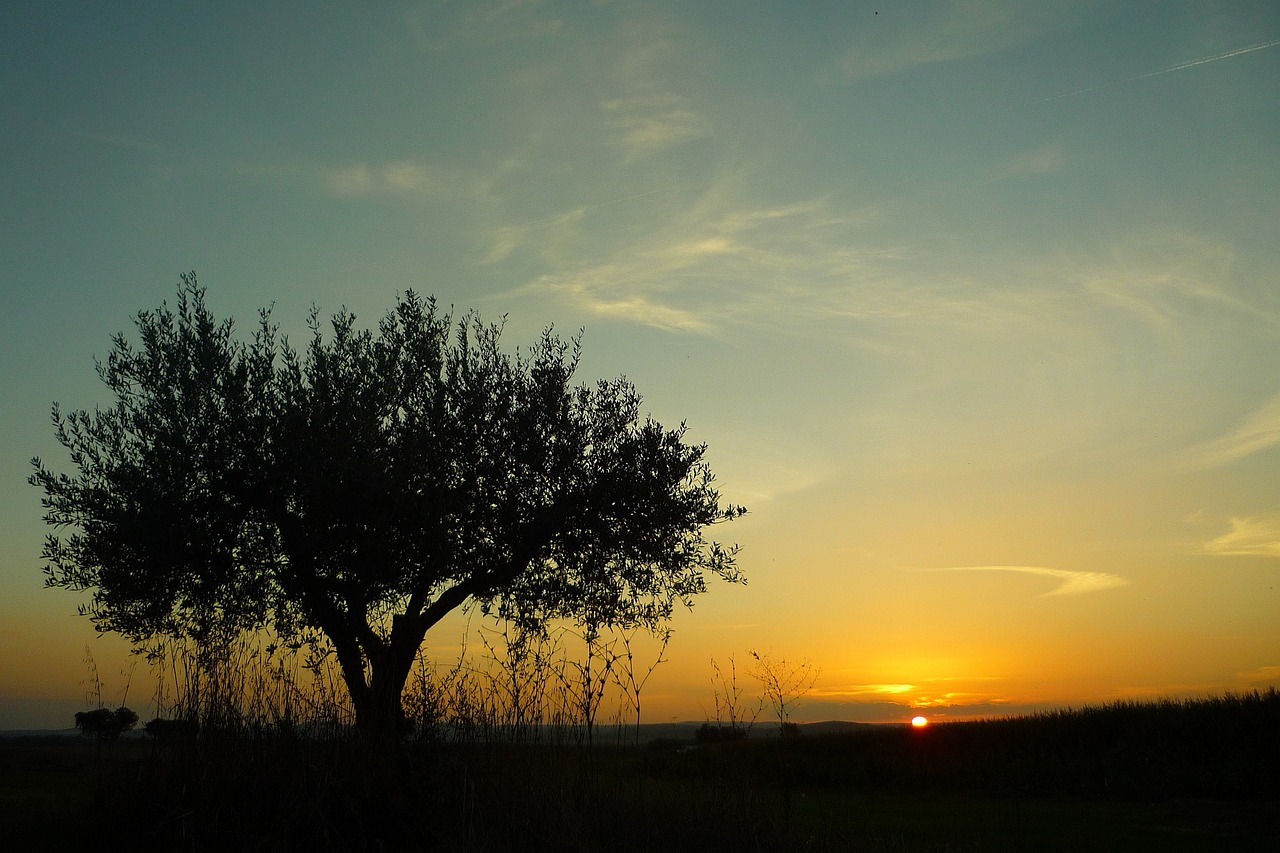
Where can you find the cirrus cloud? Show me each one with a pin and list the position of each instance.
(1070, 582)
(1254, 535)
(1258, 431)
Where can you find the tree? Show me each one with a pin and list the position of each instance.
(105, 723)
(355, 492)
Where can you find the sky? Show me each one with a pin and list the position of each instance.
(975, 302)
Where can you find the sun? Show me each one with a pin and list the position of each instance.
(919, 722)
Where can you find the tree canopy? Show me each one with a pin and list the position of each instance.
(362, 487)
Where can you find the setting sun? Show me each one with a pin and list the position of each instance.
(919, 722)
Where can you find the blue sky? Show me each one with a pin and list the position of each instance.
(974, 285)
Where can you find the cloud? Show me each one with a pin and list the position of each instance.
(391, 178)
(1041, 161)
(641, 310)
(647, 125)
(1254, 535)
(1165, 278)
(945, 31)
(757, 464)
(1069, 582)
(716, 261)
(953, 706)
(854, 690)
(703, 265)
(549, 235)
(1262, 673)
(557, 233)
(1257, 432)
(765, 479)
(439, 27)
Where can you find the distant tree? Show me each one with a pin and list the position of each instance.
(354, 493)
(106, 724)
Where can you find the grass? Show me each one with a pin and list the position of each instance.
(1193, 775)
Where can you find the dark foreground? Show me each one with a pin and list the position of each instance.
(1161, 777)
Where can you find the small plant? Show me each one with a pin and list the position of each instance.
(784, 683)
(732, 714)
(628, 676)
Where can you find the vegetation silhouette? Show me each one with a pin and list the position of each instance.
(348, 495)
(106, 723)
(783, 683)
(1156, 776)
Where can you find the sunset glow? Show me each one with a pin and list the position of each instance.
(919, 722)
(974, 304)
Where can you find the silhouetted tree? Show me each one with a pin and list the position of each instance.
(357, 491)
(105, 723)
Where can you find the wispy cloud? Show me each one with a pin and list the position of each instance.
(641, 310)
(764, 479)
(556, 233)
(708, 262)
(912, 35)
(1041, 161)
(757, 463)
(1167, 279)
(391, 178)
(1257, 432)
(647, 125)
(1254, 535)
(899, 702)
(1070, 582)
(547, 235)
(1262, 673)
(856, 690)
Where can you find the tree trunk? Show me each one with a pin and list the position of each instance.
(378, 702)
(382, 717)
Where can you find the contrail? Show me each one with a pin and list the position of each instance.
(1240, 51)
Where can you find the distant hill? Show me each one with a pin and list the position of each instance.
(682, 731)
(687, 730)
(9, 733)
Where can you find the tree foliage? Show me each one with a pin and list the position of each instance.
(360, 488)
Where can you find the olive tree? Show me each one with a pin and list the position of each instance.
(356, 490)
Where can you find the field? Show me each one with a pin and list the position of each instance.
(1193, 775)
